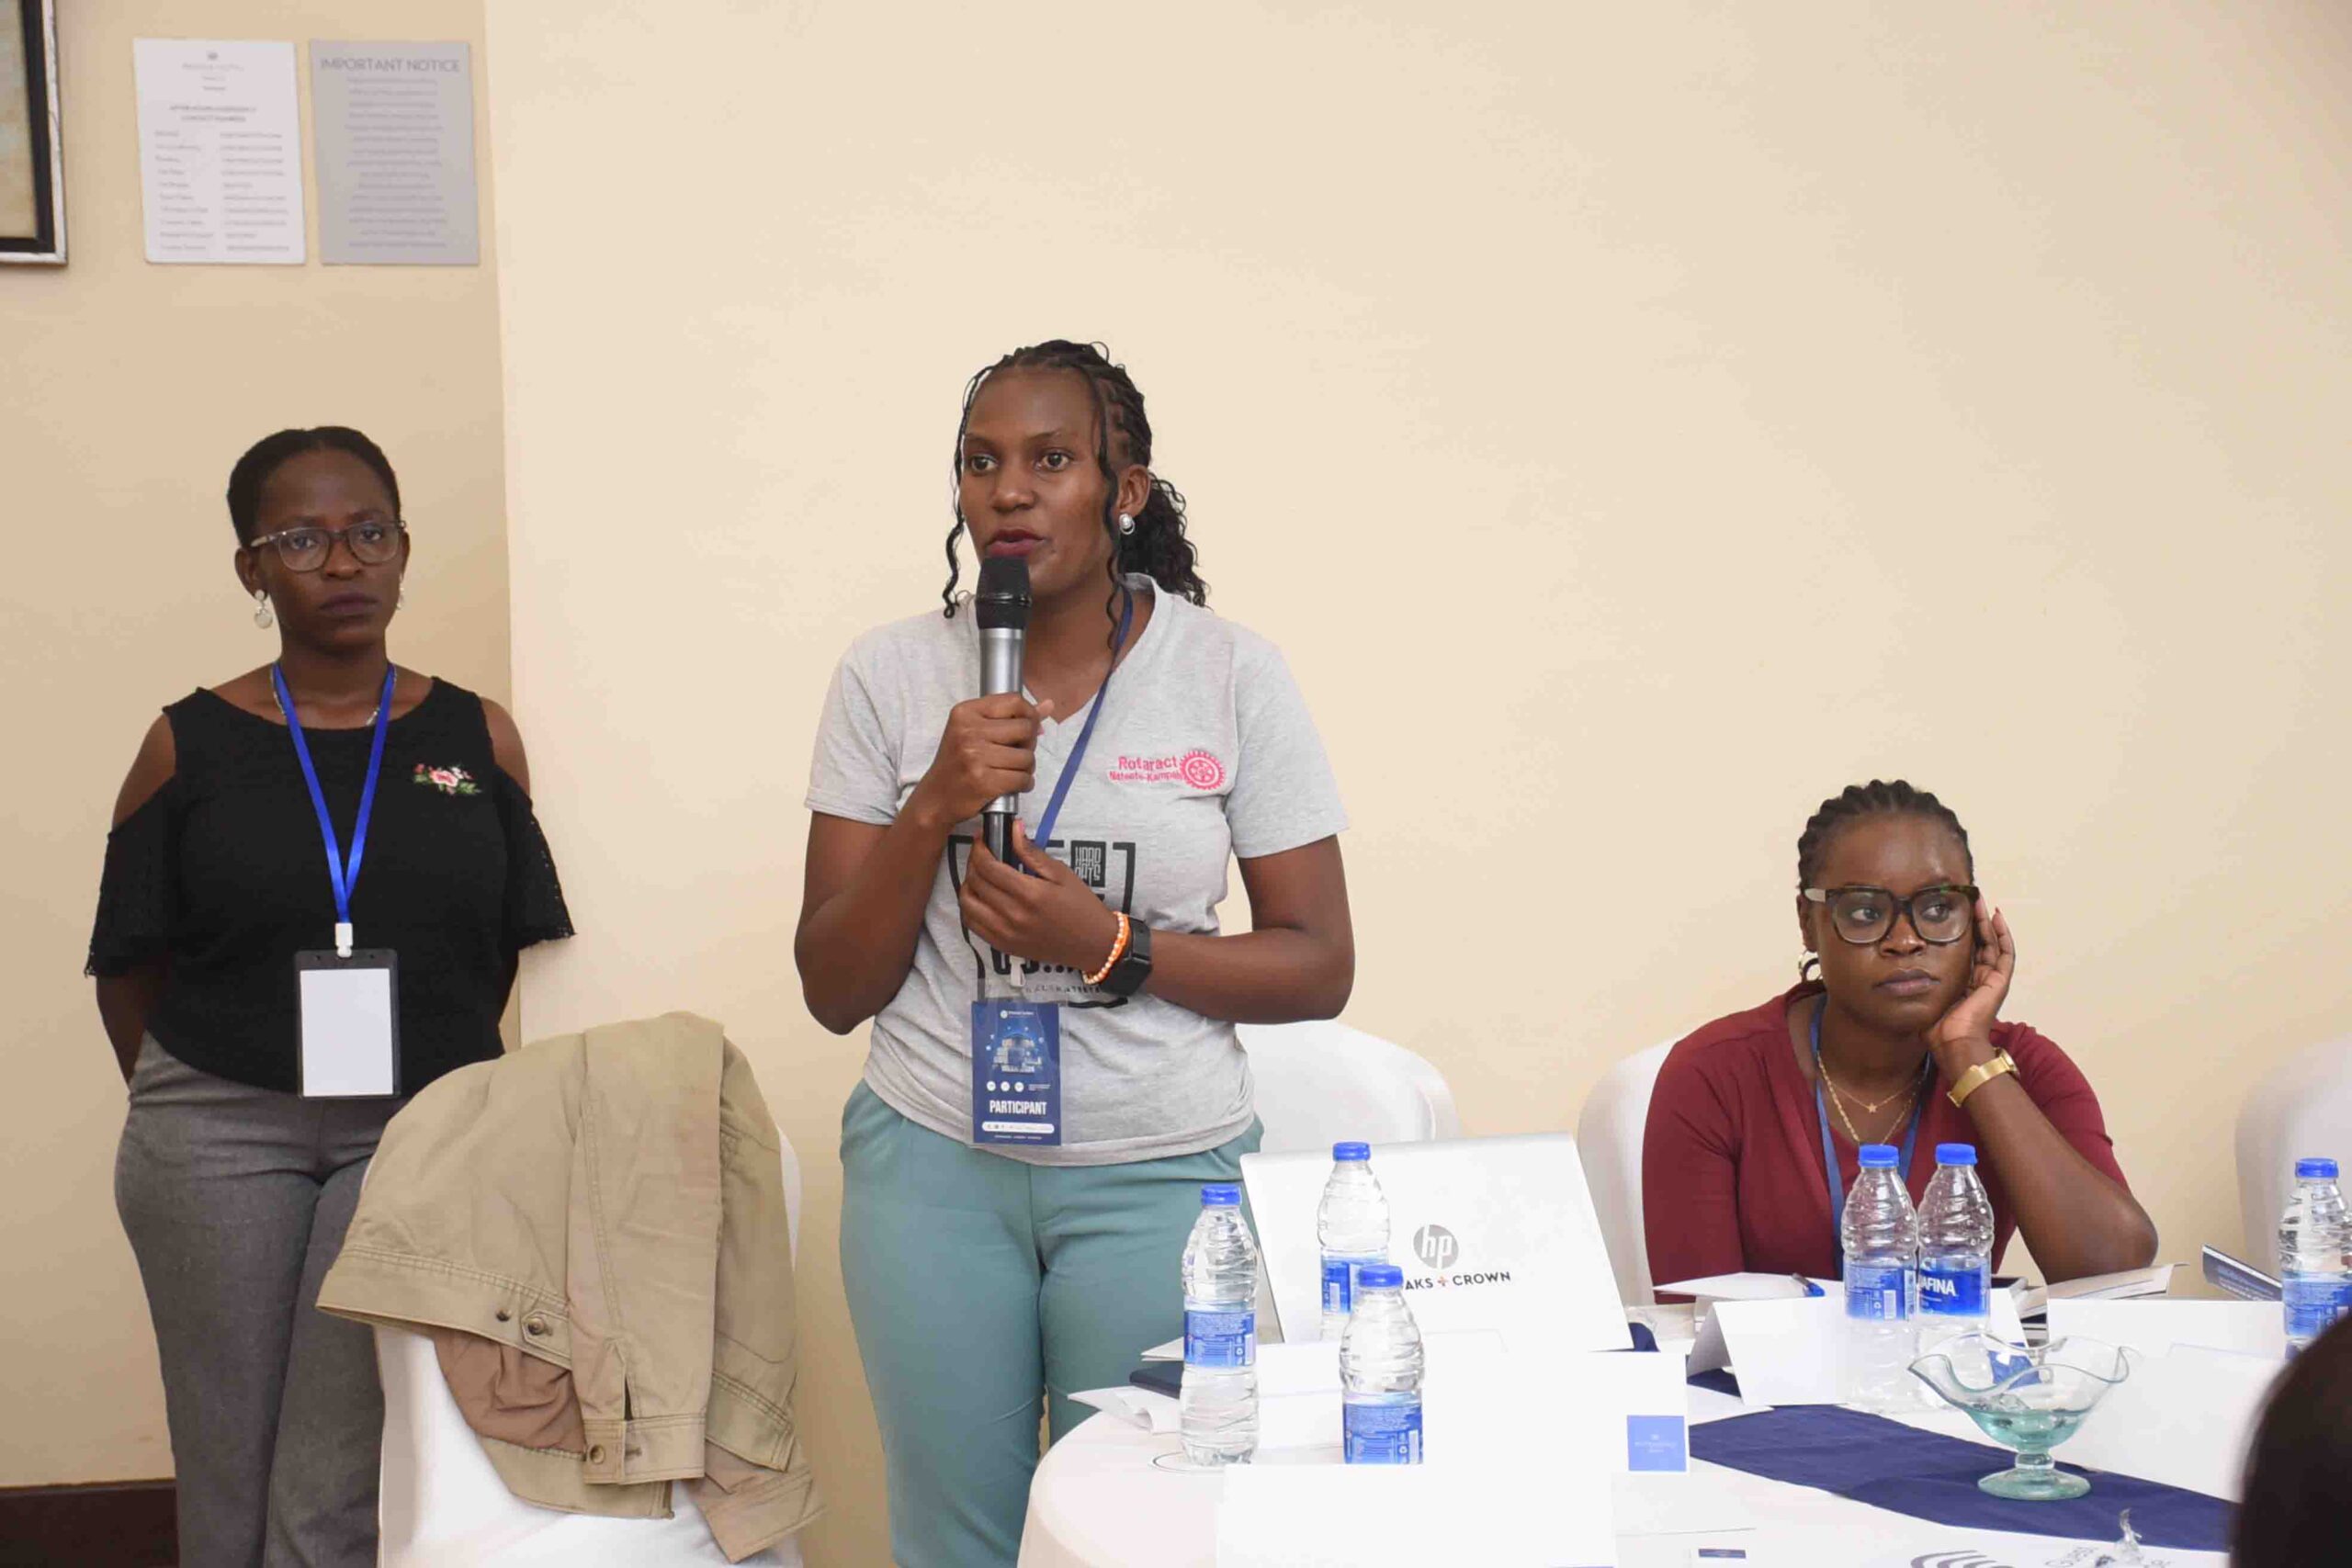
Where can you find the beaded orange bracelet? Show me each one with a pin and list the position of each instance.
(1118, 951)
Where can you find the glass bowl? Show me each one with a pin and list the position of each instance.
(2027, 1398)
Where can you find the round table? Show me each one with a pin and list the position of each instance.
(1101, 1501)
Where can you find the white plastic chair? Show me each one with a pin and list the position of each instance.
(2301, 1109)
(443, 1505)
(1608, 1140)
(1317, 1083)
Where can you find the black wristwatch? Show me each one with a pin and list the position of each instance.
(1133, 968)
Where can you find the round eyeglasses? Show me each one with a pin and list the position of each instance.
(1864, 915)
(372, 542)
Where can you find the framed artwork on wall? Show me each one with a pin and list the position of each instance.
(32, 163)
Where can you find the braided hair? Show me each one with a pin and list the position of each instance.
(1158, 548)
(1880, 797)
(271, 453)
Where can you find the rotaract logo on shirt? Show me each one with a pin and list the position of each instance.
(1197, 768)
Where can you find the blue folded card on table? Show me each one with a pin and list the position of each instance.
(1930, 1476)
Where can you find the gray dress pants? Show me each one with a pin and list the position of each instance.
(235, 1200)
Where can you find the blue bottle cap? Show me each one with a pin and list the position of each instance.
(1878, 1157)
(1955, 1153)
(1378, 1274)
(1350, 1151)
(2315, 1170)
(1221, 1195)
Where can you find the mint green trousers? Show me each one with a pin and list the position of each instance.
(987, 1291)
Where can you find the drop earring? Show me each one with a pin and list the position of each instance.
(400, 599)
(262, 618)
(1126, 524)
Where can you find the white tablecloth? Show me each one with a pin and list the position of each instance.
(1099, 1501)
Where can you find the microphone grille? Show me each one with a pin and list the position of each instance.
(1002, 601)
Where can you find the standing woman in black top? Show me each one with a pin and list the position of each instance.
(234, 1188)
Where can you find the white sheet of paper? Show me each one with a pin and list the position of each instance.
(1700, 1503)
(1309, 1367)
(2185, 1419)
(220, 150)
(1173, 1352)
(1794, 1344)
(394, 150)
(1344, 1516)
(346, 1033)
(1743, 1286)
(1140, 1408)
(2131, 1283)
(1305, 1426)
(1613, 1387)
(1784, 1352)
(1708, 1352)
(2154, 1328)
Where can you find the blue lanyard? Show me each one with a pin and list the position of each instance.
(1829, 1147)
(1045, 834)
(344, 877)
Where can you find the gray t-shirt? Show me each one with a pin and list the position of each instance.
(1205, 751)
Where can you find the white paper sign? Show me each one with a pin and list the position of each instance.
(2185, 1419)
(219, 151)
(1787, 1353)
(395, 150)
(1745, 1287)
(1346, 1516)
(2250, 1328)
(1784, 1352)
(1641, 1401)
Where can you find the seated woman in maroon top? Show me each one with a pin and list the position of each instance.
(1915, 964)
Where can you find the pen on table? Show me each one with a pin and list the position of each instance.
(1809, 1288)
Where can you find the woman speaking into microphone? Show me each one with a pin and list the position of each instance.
(1053, 1072)
(319, 874)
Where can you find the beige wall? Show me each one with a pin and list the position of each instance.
(131, 390)
(1720, 404)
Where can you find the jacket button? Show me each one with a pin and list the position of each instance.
(596, 1454)
(504, 1315)
(535, 1323)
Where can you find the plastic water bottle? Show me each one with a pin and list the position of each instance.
(1352, 1226)
(1218, 1407)
(1380, 1372)
(2311, 1236)
(1955, 1252)
(1882, 1239)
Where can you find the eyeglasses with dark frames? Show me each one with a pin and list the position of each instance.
(1862, 916)
(372, 541)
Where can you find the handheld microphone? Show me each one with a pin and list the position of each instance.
(1002, 607)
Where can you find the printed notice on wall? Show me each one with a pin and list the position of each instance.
(220, 150)
(394, 127)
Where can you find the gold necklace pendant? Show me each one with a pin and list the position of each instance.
(1837, 1096)
(1837, 1099)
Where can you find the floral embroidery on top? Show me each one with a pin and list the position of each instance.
(448, 781)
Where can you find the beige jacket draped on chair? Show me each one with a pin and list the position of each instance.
(593, 1231)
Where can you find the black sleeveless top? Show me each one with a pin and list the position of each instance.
(222, 873)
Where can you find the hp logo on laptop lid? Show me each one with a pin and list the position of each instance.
(1435, 1246)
